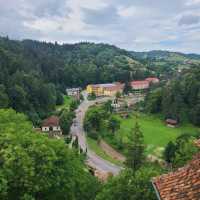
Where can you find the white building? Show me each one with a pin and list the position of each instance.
(73, 92)
(52, 125)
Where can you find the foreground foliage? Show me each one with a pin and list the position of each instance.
(130, 185)
(33, 167)
(178, 153)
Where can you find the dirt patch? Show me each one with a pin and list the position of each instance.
(111, 152)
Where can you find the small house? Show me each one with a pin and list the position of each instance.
(51, 125)
(74, 92)
(171, 122)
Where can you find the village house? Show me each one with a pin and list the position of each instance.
(183, 184)
(108, 89)
(171, 122)
(51, 125)
(74, 92)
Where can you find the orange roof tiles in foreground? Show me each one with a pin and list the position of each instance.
(197, 142)
(183, 184)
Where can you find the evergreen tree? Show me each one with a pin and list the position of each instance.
(127, 88)
(135, 155)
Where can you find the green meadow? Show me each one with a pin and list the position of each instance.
(156, 133)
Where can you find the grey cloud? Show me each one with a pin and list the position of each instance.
(189, 20)
(42, 8)
(152, 28)
(103, 17)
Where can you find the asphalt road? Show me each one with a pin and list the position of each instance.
(93, 160)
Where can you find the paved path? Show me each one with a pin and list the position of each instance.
(93, 160)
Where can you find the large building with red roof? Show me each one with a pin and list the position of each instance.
(140, 85)
(183, 184)
(152, 80)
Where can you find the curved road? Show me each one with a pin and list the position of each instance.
(93, 160)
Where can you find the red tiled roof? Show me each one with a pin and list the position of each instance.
(183, 184)
(110, 86)
(197, 142)
(152, 79)
(139, 83)
(115, 87)
(51, 121)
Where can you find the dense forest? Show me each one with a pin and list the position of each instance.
(179, 99)
(34, 74)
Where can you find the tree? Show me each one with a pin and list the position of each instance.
(93, 119)
(108, 106)
(181, 151)
(59, 98)
(4, 99)
(35, 167)
(113, 124)
(76, 143)
(74, 105)
(169, 152)
(66, 120)
(92, 96)
(136, 148)
(130, 185)
(185, 150)
(127, 88)
(153, 101)
(118, 95)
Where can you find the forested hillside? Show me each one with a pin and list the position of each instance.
(33, 74)
(167, 63)
(179, 99)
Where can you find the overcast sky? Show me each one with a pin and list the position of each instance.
(131, 24)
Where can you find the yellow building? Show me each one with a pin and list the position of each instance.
(109, 89)
(96, 89)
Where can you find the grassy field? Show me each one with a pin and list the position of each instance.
(95, 147)
(66, 104)
(156, 133)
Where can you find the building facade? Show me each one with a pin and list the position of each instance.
(109, 89)
(51, 125)
(140, 85)
(74, 92)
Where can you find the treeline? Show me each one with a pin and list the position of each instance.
(33, 74)
(179, 99)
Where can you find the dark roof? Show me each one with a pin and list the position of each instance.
(172, 121)
(183, 184)
(51, 121)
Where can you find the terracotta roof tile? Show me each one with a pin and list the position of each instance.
(51, 121)
(197, 142)
(183, 184)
